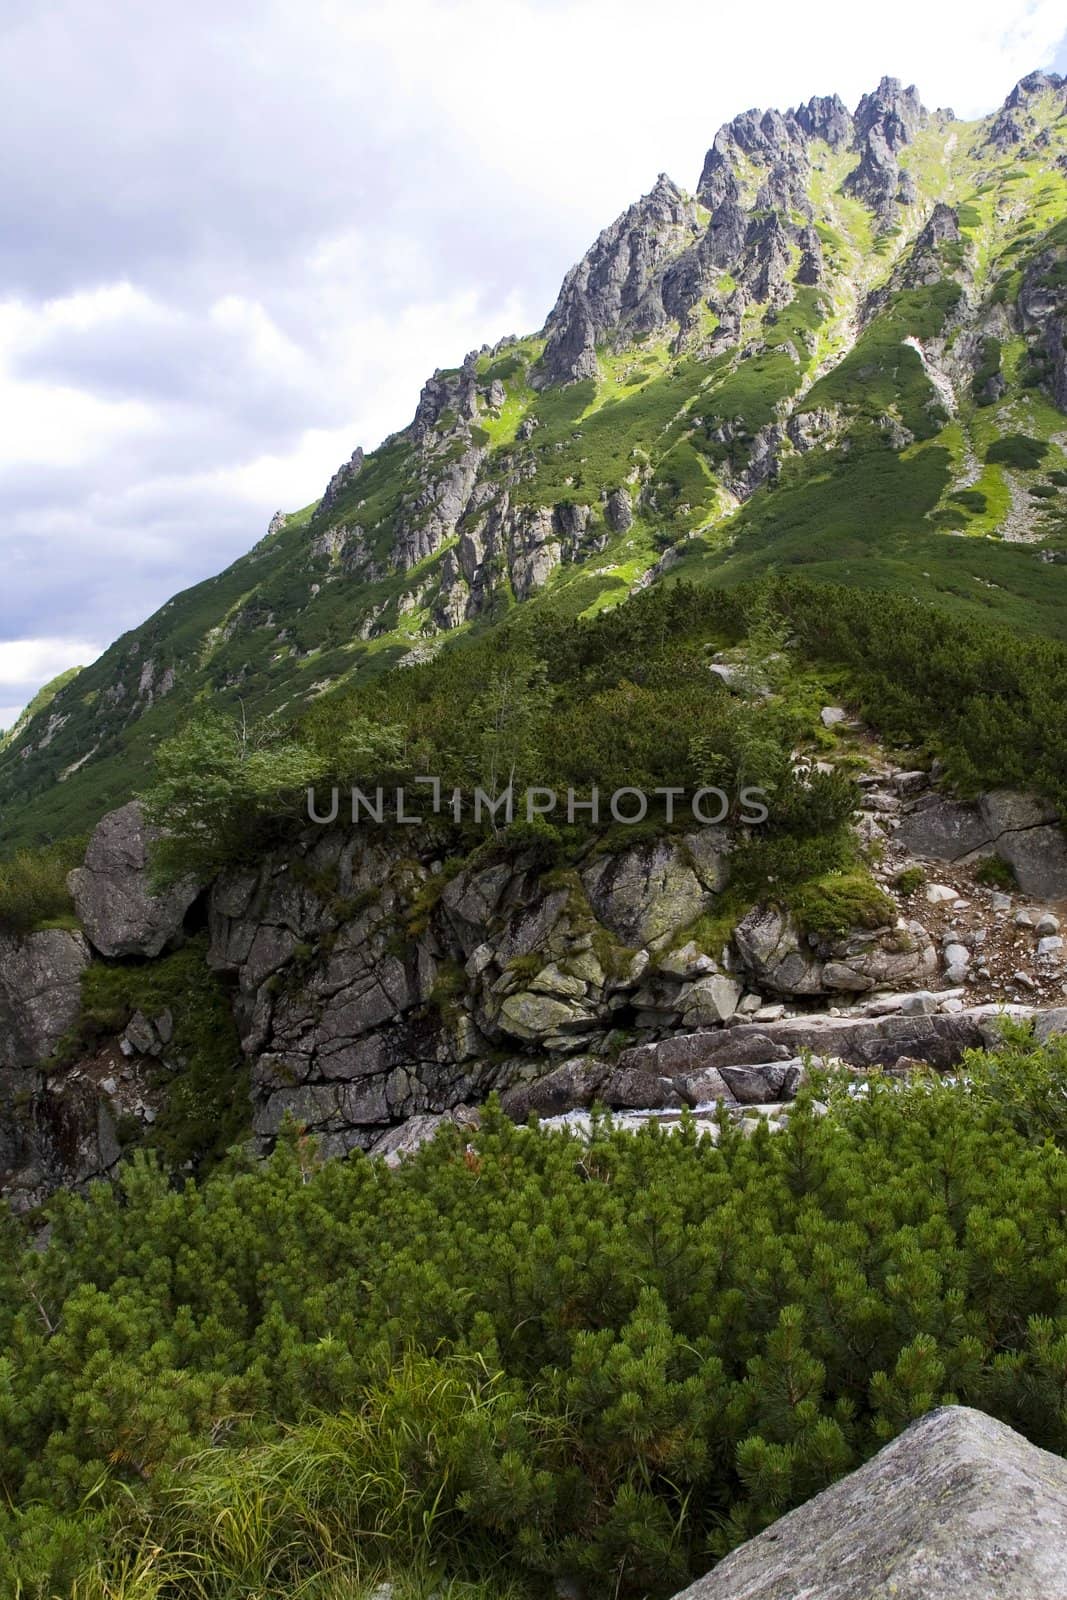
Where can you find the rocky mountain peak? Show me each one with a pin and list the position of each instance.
(659, 262)
(826, 117)
(767, 138)
(1016, 121)
(885, 122)
(342, 478)
(893, 112)
(712, 340)
(1035, 83)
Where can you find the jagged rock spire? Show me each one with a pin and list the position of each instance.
(826, 117)
(616, 282)
(884, 123)
(1015, 122)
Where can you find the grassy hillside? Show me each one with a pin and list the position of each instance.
(892, 426)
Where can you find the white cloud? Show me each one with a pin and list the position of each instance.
(36, 661)
(27, 664)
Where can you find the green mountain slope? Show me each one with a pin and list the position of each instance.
(845, 354)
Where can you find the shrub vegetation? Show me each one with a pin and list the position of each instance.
(529, 1359)
(33, 887)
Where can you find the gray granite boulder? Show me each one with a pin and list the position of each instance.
(862, 1042)
(958, 1507)
(120, 912)
(653, 888)
(1022, 829)
(61, 1135)
(573, 1084)
(410, 1136)
(1050, 1025)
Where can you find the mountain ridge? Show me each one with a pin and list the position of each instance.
(845, 351)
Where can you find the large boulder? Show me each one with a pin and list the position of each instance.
(1038, 858)
(531, 1016)
(408, 1137)
(943, 830)
(1050, 1025)
(958, 1507)
(1022, 829)
(62, 1135)
(574, 1084)
(585, 1080)
(120, 913)
(40, 993)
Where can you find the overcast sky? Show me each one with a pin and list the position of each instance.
(238, 236)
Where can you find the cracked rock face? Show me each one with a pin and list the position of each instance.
(1015, 123)
(63, 1137)
(615, 284)
(863, 1042)
(660, 260)
(1022, 830)
(654, 888)
(40, 993)
(351, 1029)
(886, 121)
(121, 915)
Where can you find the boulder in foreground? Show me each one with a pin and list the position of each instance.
(959, 1507)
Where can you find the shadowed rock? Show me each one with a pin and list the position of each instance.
(40, 993)
(1021, 828)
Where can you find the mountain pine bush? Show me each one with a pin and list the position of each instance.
(526, 1359)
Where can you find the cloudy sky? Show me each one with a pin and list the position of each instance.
(238, 236)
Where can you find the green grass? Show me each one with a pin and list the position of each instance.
(831, 905)
(40, 702)
(882, 375)
(33, 887)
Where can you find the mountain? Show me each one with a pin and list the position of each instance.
(42, 699)
(844, 354)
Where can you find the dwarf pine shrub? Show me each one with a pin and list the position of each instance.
(526, 1359)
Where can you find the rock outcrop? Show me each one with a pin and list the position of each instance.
(777, 958)
(352, 1027)
(1015, 123)
(1023, 830)
(398, 1143)
(63, 1136)
(957, 1507)
(885, 122)
(121, 914)
(616, 286)
(40, 993)
(342, 480)
(374, 990)
(938, 1038)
